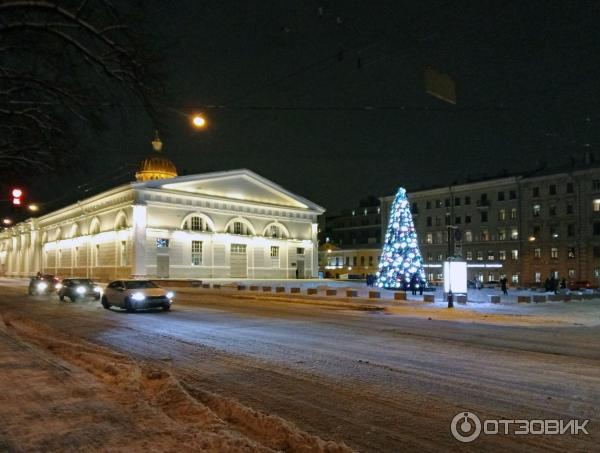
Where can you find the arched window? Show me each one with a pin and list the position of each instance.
(240, 226)
(94, 226)
(197, 222)
(121, 221)
(276, 230)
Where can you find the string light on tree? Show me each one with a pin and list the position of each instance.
(401, 258)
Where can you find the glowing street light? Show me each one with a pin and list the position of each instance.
(199, 121)
(6, 221)
(33, 207)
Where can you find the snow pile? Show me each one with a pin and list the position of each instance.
(157, 411)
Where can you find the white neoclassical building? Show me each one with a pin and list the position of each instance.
(223, 224)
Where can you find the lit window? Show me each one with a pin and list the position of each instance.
(502, 214)
(537, 209)
(468, 236)
(554, 253)
(490, 256)
(515, 278)
(571, 273)
(514, 254)
(538, 277)
(485, 235)
(469, 256)
(479, 255)
(596, 205)
(514, 234)
(502, 255)
(513, 213)
(429, 238)
(274, 231)
(274, 251)
(440, 257)
(196, 253)
(502, 234)
(571, 252)
(537, 253)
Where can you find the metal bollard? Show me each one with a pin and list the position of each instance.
(450, 299)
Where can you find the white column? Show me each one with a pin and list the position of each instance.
(140, 221)
(315, 250)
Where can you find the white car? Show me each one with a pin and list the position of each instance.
(136, 294)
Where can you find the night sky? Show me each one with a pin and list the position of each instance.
(295, 85)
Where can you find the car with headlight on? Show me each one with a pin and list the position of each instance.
(43, 285)
(79, 288)
(136, 294)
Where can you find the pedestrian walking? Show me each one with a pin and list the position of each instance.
(503, 283)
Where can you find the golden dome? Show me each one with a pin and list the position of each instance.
(156, 166)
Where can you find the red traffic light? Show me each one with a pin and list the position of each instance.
(16, 201)
(17, 193)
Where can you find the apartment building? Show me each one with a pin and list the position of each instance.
(525, 227)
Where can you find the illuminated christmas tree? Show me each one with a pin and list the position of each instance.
(401, 258)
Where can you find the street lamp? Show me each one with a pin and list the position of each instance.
(6, 221)
(198, 121)
(33, 207)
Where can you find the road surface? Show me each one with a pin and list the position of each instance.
(373, 380)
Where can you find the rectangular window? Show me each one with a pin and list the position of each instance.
(552, 209)
(238, 228)
(515, 279)
(440, 257)
(554, 253)
(362, 260)
(457, 201)
(571, 253)
(468, 236)
(469, 256)
(123, 253)
(299, 251)
(439, 237)
(370, 260)
(447, 202)
(274, 251)
(596, 184)
(467, 200)
(428, 205)
(429, 238)
(502, 234)
(457, 220)
(570, 187)
(447, 219)
(512, 195)
(347, 261)
(537, 209)
(537, 253)
(196, 224)
(490, 255)
(502, 255)
(552, 189)
(513, 213)
(196, 253)
(571, 273)
(479, 255)
(514, 234)
(485, 235)
(554, 231)
(514, 254)
(535, 192)
(438, 203)
(484, 216)
(596, 205)
(569, 208)
(438, 221)
(429, 221)
(354, 260)
(467, 219)
(502, 214)
(537, 277)
(162, 243)
(500, 196)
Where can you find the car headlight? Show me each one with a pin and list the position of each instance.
(41, 286)
(138, 296)
(58, 286)
(97, 289)
(80, 290)
(170, 295)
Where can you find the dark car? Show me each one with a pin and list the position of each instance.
(43, 285)
(79, 288)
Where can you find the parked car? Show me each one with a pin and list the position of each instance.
(136, 294)
(79, 288)
(43, 285)
(579, 285)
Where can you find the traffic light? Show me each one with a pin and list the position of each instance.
(16, 197)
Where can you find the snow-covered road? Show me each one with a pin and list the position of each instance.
(376, 380)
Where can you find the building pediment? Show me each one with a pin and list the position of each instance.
(238, 185)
